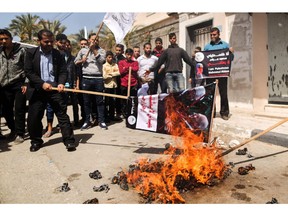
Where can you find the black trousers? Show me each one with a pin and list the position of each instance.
(118, 101)
(110, 103)
(14, 107)
(161, 79)
(124, 92)
(37, 106)
(72, 98)
(222, 86)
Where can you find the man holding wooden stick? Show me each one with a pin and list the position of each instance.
(45, 68)
(91, 59)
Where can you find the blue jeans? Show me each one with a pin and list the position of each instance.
(96, 85)
(49, 113)
(175, 82)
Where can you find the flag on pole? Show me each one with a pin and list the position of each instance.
(119, 24)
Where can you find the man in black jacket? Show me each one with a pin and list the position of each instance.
(172, 57)
(45, 68)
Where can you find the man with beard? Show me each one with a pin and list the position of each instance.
(45, 68)
(146, 61)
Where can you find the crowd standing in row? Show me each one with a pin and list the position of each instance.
(31, 73)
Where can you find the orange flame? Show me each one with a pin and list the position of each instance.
(195, 164)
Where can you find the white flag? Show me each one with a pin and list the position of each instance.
(119, 24)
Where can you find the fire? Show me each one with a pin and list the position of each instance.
(185, 166)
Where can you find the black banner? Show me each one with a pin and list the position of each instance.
(213, 64)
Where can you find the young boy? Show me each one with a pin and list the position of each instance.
(110, 73)
(124, 66)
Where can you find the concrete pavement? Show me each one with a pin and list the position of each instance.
(32, 178)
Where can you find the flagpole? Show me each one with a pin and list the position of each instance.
(98, 32)
(212, 112)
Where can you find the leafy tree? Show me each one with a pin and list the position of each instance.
(25, 26)
(54, 26)
(130, 36)
(107, 40)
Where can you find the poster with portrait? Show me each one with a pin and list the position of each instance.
(163, 113)
(212, 64)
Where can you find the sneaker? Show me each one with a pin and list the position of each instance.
(85, 126)
(103, 126)
(224, 117)
(19, 139)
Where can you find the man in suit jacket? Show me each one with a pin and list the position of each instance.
(45, 68)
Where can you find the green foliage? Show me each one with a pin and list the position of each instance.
(26, 26)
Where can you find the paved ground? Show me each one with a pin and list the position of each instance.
(32, 178)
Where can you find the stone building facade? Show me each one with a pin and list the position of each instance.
(259, 72)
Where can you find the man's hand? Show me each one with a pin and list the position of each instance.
(47, 86)
(60, 88)
(23, 89)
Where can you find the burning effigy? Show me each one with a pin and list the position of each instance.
(189, 163)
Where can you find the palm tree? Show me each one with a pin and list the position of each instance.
(54, 26)
(81, 34)
(107, 40)
(25, 26)
(129, 39)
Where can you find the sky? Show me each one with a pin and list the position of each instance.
(74, 21)
(75, 14)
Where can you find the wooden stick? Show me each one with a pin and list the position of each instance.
(212, 112)
(92, 92)
(129, 83)
(254, 137)
(100, 27)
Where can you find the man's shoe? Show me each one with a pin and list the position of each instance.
(19, 139)
(11, 135)
(103, 126)
(2, 137)
(34, 147)
(115, 119)
(71, 147)
(85, 126)
(224, 117)
(119, 116)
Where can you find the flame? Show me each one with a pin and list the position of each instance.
(184, 166)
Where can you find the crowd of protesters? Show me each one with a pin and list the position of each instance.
(38, 77)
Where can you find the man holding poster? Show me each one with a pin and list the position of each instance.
(218, 44)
